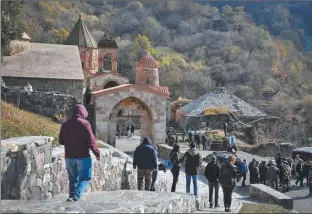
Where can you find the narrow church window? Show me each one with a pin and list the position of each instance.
(107, 63)
(147, 81)
(82, 64)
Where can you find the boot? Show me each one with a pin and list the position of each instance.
(211, 205)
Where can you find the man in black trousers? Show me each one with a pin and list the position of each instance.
(212, 173)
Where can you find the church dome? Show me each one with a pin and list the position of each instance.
(147, 61)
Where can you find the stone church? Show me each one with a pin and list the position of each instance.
(113, 98)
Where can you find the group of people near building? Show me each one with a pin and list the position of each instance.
(130, 130)
(278, 172)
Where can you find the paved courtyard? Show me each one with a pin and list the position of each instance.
(128, 146)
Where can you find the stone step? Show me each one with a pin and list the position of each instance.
(121, 201)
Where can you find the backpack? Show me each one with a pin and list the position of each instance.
(211, 172)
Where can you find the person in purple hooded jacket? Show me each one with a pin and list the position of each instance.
(77, 137)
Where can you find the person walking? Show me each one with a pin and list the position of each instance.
(197, 140)
(310, 178)
(132, 130)
(183, 135)
(286, 176)
(119, 131)
(263, 171)
(78, 139)
(212, 173)
(225, 128)
(297, 160)
(145, 158)
(254, 173)
(192, 162)
(128, 131)
(299, 170)
(228, 178)
(244, 171)
(176, 160)
(272, 173)
(190, 136)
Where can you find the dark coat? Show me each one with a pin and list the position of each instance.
(77, 136)
(145, 156)
(228, 175)
(212, 172)
(192, 161)
(263, 171)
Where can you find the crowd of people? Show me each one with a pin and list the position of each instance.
(278, 173)
(77, 137)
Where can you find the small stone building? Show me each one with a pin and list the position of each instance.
(47, 68)
(191, 115)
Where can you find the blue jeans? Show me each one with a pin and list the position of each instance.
(79, 174)
(188, 183)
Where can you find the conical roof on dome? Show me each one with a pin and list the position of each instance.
(81, 36)
(147, 61)
(107, 41)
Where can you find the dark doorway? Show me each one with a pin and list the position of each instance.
(110, 84)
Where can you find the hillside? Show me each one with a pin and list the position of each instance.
(254, 49)
(16, 123)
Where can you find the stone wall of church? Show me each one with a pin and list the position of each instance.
(98, 81)
(69, 87)
(43, 103)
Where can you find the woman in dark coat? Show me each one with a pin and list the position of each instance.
(174, 157)
(228, 181)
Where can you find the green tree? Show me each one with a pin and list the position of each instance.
(12, 25)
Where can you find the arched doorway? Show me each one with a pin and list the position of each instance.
(135, 112)
(110, 84)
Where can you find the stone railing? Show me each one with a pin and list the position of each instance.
(270, 195)
(31, 169)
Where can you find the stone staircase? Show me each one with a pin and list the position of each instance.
(90, 118)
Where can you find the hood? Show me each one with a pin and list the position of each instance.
(147, 140)
(213, 159)
(193, 152)
(80, 112)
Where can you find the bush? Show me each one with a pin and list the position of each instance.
(18, 123)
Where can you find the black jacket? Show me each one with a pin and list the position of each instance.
(192, 161)
(228, 175)
(174, 157)
(262, 171)
(212, 172)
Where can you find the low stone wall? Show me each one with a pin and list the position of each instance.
(30, 169)
(43, 103)
(270, 195)
(269, 149)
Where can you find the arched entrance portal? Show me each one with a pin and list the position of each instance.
(130, 110)
(110, 84)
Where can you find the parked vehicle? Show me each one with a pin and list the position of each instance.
(305, 153)
(222, 157)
